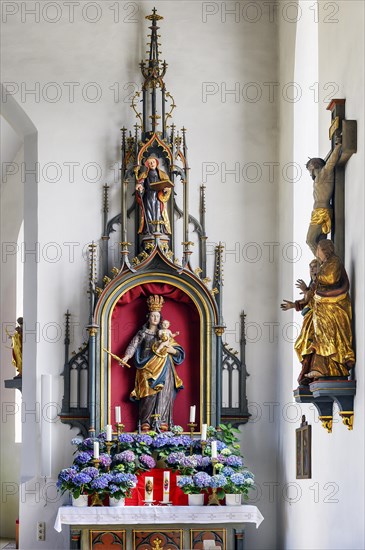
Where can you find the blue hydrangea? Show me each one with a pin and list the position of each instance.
(183, 481)
(188, 462)
(67, 474)
(144, 438)
(160, 440)
(81, 479)
(101, 482)
(174, 458)
(129, 480)
(218, 480)
(227, 471)
(125, 456)
(201, 480)
(91, 471)
(126, 438)
(234, 461)
(83, 457)
(105, 460)
(238, 479)
(76, 441)
(220, 445)
(179, 441)
(147, 461)
(87, 443)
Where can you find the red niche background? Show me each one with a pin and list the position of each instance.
(128, 317)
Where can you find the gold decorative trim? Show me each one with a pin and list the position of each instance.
(116, 295)
(327, 422)
(92, 331)
(347, 418)
(219, 331)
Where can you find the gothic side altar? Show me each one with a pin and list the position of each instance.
(155, 392)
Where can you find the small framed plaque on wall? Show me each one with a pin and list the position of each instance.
(304, 450)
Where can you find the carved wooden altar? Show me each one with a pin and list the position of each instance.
(154, 166)
(94, 381)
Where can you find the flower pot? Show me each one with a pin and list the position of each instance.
(81, 501)
(116, 501)
(196, 500)
(233, 499)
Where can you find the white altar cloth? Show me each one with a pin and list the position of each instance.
(156, 515)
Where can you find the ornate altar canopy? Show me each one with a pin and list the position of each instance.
(154, 166)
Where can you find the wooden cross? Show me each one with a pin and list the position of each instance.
(348, 131)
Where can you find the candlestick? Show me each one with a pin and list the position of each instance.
(203, 444)
(213, 499)
(191, 425)
(120, 428)
(96, 462)
(118, 416)
(109, 432)
(96, 450)
(95, 498)
(109, 445)
(192, 413)
(204, 432)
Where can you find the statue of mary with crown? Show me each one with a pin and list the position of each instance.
(157, 381)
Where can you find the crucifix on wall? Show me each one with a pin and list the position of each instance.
(328, 176)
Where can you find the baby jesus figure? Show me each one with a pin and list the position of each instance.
(164, 337)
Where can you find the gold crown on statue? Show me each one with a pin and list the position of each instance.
(155, 303)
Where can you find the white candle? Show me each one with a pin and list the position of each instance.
(204, 432)
(166, 487)
(214, 449)
(118, 416)
(148, 489)
(96, 449)
(109, 432)
(192, 414)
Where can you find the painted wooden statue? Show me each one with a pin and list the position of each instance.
(157, 381)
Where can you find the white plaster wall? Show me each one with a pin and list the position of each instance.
(229, 131)
(11, 219)
(318, 516)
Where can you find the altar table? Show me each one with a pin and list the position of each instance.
(185, 527)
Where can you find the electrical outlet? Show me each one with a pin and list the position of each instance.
(41, 531)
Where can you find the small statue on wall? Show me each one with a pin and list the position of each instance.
(332, 314)
(153, 190)
(17, 347)
(324, 346)
(156, 382)
(323, 175)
